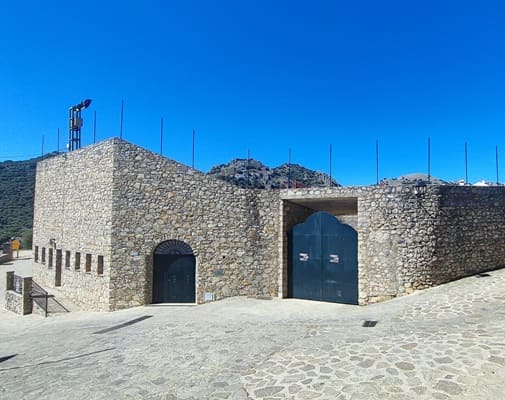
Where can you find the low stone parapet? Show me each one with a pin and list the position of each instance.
(18, 294)
(5, 253)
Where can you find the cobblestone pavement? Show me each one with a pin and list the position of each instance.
(444, 343)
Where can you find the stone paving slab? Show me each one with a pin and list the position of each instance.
(443, 343)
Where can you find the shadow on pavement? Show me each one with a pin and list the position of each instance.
(60, 360)
(2, 359)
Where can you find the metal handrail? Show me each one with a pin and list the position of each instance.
(39, 293)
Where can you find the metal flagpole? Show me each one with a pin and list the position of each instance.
(466, 164)
(161, 135)
(331, 151)
(121, 126)
(497, 175)
(377, 161)
(247, 167)
(193, 157)
(429, 160)
(289, 169)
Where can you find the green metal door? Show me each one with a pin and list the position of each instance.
(324, 260)
(174, 273)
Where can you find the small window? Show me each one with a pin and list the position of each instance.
(58, 258)
(88, 262)
(36, 255)
(67, 259)
(99, 267)
(43, 255)
(50, 259)
(77, 261)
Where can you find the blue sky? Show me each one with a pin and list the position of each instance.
(265, 76)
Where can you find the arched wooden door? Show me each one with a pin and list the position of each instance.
(174, 272)
(324, 260)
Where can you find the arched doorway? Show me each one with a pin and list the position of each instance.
(324, 260)
(174, 270)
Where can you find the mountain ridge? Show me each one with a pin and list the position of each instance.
(251, 173)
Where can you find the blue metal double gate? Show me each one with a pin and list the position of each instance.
(324, 260)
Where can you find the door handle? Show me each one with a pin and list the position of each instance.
(334, 258)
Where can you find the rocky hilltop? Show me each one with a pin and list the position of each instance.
(254, 174)
(414, 179)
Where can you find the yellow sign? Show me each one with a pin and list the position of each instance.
(15, 245)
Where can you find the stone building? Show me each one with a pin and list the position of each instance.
(117, 226)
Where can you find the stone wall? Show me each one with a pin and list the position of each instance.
(117, 201)
(14, 302)
(73, 213)
(18, 300)
(417, 237)
(396, 241)
(470, 234)
(232, 231)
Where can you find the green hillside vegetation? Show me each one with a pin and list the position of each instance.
(17, 183)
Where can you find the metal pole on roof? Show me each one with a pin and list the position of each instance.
(429, 160)
(42, 152)
(497, 175)
(289, 169)
(193, 157)
(121, 126)
(161, 135)
(94, 127)
(58, 142)
(247, 167)
(377, 161)
(466, 164)
(331, 155)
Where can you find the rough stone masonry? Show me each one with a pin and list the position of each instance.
(101, 211)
